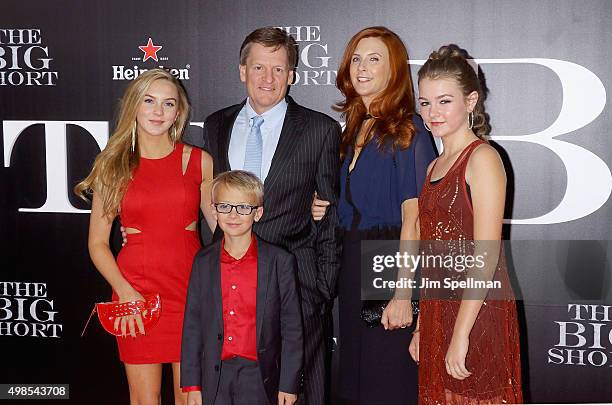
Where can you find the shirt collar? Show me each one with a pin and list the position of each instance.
(271, 117)
(250, 253)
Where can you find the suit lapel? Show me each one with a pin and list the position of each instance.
(263, 275)
(288, 141)
(215, 260)
(225, 134)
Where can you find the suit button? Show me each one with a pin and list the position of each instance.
(219, 336)
(216, 367)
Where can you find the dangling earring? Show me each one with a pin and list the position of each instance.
(424, 123)
(134, 137)
(173, 135)
(471, 120)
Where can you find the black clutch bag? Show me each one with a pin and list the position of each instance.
(371, 311)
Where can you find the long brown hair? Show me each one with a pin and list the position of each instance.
(450, 61)
(113, 167)
(393, 109)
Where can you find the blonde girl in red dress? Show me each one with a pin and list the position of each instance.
(157, 185)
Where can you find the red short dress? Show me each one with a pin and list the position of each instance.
(493, 358)
(161, 202)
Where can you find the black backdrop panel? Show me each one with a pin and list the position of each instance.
(64, 65)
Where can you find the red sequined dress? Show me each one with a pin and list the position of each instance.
(161, 202)
(493, 358)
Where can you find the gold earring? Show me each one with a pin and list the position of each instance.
(134, 137)
(173, 136)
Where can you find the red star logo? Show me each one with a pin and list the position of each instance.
(150, 51)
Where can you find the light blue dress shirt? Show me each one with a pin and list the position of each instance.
(270, 133)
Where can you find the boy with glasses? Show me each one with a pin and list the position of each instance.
(242, 333)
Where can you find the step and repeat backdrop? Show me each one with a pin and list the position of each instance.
(64, 65)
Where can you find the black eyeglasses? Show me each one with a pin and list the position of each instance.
(242, 209)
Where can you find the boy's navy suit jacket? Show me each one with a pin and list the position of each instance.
(279, 322)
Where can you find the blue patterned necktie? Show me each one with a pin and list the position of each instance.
(254, 148)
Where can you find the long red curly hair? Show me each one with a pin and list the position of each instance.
(392, 110)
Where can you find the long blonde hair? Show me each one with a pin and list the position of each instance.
(113, 167)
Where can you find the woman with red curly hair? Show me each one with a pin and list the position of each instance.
(385, 152)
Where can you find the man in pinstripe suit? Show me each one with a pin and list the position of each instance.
(300, 156)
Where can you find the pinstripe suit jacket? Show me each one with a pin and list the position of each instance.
(307, 159)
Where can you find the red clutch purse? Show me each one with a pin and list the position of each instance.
(149, 310)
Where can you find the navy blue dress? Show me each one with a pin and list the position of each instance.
(374, 364)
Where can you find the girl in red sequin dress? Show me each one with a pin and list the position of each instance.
(157, 185)
(467, 350)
